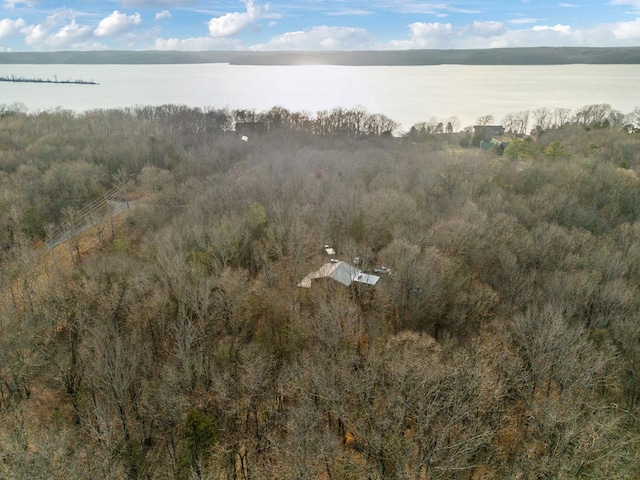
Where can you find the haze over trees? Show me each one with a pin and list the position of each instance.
(171, 341)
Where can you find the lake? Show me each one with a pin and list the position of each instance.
(407, 94)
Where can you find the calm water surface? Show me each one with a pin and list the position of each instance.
(406, 94)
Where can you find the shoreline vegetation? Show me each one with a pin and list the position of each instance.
(15, 79)
(496, 56)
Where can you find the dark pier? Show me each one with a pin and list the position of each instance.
(15, 79)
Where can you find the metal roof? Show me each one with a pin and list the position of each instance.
(341, 272)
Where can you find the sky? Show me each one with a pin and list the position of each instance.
(42, 25)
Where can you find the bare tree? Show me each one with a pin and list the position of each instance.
(561, 116)
(542, 119)
(485, 120)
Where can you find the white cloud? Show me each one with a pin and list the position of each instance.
(427, 35)
(567, 5)
(350, 13)
(73, 30)
(61, 31)
(523, 20)
(196, 44)
(232, 23)
(426, 8)
(88, 46)
(61, 20)
(486, 29)
(627, 30)
(162, 14)
(117, 23)
(562, 29)
(58, 18)
(632, 3)
(320, 38)
(34, 34)
(11, 4)
(530, 38)
(8, 27)
(156, 3)
(497, 35)
(416, 7)
(69, 34)
(422, 30)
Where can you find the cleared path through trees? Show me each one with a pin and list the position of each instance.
(91, 215)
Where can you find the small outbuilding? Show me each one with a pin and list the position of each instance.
(494, 143)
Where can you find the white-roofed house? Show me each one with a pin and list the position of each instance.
(341, 272)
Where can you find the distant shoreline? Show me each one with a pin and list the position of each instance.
(42, 80)
(497, 56)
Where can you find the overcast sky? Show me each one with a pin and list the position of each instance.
(43, 25)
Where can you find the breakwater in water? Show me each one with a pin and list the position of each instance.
(13, 78)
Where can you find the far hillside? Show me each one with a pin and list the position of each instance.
(497, 56)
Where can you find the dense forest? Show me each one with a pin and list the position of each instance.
(487, 56)
(170, 341)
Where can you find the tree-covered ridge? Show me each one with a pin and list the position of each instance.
(503, 344)
(495, 56)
